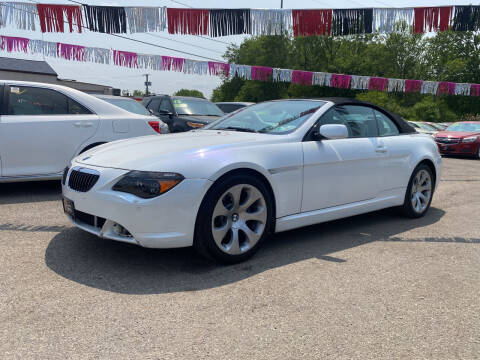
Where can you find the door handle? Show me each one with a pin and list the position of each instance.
(381, 149)
(83, 124)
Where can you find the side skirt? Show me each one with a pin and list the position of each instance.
(337, 212)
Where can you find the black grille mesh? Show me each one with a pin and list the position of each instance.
(82, 181)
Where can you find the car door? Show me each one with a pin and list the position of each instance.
(395, 174)
(167, 113)
(343, 171)
(41, 130)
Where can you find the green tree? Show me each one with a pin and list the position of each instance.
(187, 92)
(447, 56)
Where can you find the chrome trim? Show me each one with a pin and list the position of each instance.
(85, 170)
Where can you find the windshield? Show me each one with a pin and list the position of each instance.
(465, 127)
(129, 105)
(196, 107)
(425, 126)
(274, 117)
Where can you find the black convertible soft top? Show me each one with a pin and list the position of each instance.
(403, 126)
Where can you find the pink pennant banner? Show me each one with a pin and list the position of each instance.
(13, 43)
(71, 52)
(170, 63)
(125, 58)
(475, 90)
(302, 77)
(340, 81)
(262, 73)
(413, 86)
(377, 84)
(218, 68)
(446, 88)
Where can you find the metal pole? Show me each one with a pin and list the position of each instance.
(281, 4)
(147, 83)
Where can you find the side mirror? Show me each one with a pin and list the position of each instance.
(332, 131)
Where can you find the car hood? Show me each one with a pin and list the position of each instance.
(456, 134)
(171, 151)
(200, 118)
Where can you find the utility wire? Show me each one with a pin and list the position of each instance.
(124, 37)
(183, 42)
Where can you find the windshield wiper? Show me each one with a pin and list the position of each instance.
(234, 128)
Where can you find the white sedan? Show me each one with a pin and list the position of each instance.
(44, 126)
(267, 168)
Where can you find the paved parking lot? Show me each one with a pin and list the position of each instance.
(373, 286)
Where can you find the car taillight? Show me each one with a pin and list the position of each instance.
(155, 126)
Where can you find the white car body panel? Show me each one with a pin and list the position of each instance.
(37, 147)
(311, 181)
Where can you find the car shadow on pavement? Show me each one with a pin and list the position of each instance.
(124, 268)
(29, 192)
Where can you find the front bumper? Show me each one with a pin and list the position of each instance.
(167, 221)
(458, 148)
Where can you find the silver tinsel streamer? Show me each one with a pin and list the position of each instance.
(146, 19)
(359, 82)
(384, 20)
(97, 55)
(22, 15)
(321, 79)
(153, 62)
(396, 85)
(271, 22)
(429, 87)
(328, 77)
(462, 89)
(195, 67)
(144, 61)
(242, 71)
(282, 75)
(46, 48)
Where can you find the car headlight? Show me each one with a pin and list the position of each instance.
(195, 125)
(469, 139)
(147, 184)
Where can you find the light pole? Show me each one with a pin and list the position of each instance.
(281, 4)
(147, 84)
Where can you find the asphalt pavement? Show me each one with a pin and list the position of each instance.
(376, 286)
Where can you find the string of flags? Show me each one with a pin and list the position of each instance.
(225, 22)
(261, 73)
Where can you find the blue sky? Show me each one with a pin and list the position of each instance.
(168, 82)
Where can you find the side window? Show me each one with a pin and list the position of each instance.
(25, 100)
(386, 127)
(166, 105)
(154, 104)
(74, 108)
(360, 120)
(332, 116)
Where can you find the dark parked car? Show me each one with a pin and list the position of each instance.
(228, 107)
(182, 113)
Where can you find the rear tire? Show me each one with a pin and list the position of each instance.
(234, 219)
(419, 194)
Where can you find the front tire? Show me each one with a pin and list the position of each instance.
(419, 192)
(234, 219)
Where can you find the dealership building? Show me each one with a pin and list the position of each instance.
(41, 71)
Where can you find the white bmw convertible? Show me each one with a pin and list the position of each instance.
(267, 168)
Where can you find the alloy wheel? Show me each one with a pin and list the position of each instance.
(239, 219)
(421, 191)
